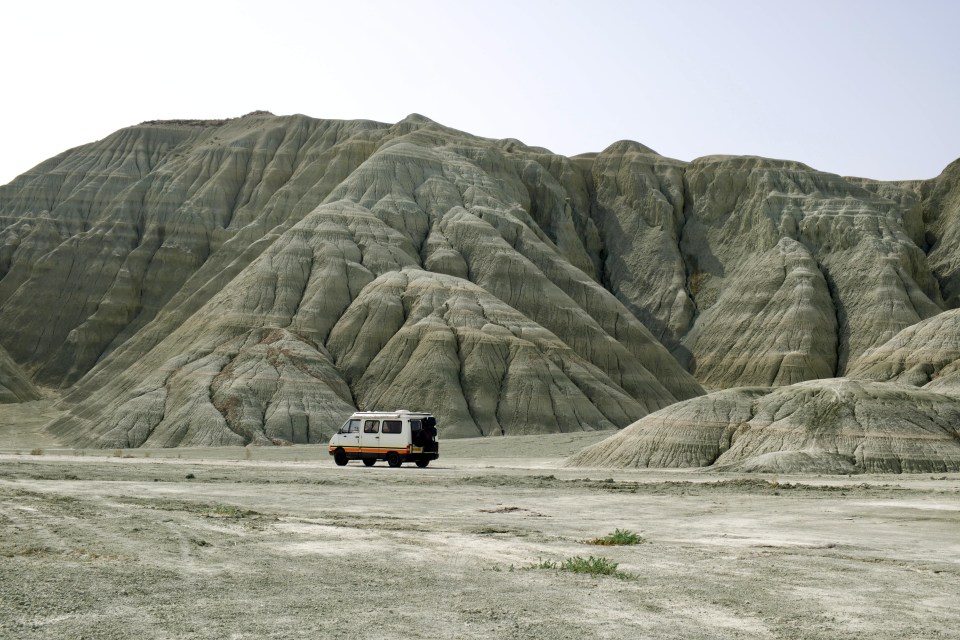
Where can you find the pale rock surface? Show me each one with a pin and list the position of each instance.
(773, 324)
(738, 210)
(926, 354)
(940, 203)
(414, 338)
(822, 426)
(196, 281)
(153, 217)
(320, 280)
(640, 215)
(15, 385)
(682, 243)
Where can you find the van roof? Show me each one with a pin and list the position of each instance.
(397, 412)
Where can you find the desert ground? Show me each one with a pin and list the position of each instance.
(278, 542)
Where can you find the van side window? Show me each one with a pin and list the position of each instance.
(392, 426)
(350, 426)
(371, 426)
(414, 426)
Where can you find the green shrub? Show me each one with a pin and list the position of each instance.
(591, 565)
(618, 537)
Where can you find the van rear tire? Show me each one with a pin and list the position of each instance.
(369, 461)
(393, 459)
(422, 463)
(340, 457)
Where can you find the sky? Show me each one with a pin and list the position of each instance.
(866, 88)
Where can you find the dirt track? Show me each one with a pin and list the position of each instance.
(106, 547)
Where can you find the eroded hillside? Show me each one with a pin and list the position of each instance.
(256, 279)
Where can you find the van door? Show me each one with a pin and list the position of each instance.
(349, 436)
(370, 436)
(395, 434)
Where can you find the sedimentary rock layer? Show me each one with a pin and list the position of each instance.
(823, 426)
(15, 386)
(319, 280)
(194, 282)
(926, 354)
(940, 204)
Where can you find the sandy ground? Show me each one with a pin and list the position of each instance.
(281, 543)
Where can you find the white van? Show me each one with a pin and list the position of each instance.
(395, 436)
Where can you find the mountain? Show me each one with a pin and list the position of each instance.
(258, 278)
(205, 275)
(899, 408)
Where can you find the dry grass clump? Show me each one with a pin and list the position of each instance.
(231, 511)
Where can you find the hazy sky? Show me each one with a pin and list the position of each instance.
(857, 88)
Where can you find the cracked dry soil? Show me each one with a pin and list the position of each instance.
(102, 547)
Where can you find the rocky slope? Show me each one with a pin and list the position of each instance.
(255, 279)
(15, 386)
(926, 355)
(827, 426)
(426, 198)
(819, 426)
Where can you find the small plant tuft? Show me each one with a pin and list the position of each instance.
(118, 453)
(36, 452)
(230, 511)
(189, 476)
(593, 566)
(618, 537)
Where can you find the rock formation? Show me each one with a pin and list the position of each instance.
(425, 198)
(940, 204)
(15, 386)
(740, 211)
(821, 426)
(769, 254)
(256, 279)
(926, 355)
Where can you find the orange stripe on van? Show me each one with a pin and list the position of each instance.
(370, 449)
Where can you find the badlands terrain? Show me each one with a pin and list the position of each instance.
(750, 364)
(278, 542)
(254, 280)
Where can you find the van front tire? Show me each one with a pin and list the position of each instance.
(340, 457)
(393, 459)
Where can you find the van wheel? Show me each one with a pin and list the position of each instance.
(393, 459)
(369, 461)
(422, 463)
(340, 457)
